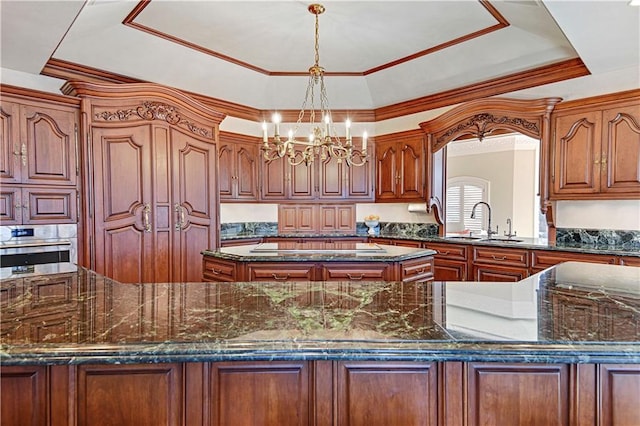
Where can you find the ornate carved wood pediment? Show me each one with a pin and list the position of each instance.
(478, 119)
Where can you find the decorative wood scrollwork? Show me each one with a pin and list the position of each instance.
(153, 111)
(479, 122)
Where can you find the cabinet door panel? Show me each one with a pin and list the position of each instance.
(246, 171)
(226, 171)
(386, 394)
(499, 273)
(133, 394)
(411, 170)
(619, 390)
(360, 178)
(260, 393)
(49, 205)
(23, 400)
(386, 173)
(331, 176)
(10, 206)
(51, 145)
(576, 156)
(449, 270)
(195, 195)
(358, 272)
(301, 182)
(621, 148)
(10, 159)
(122, 192)
(503, 394)
(274, 178)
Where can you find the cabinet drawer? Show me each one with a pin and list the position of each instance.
(500, 256)
(280, 272)
(350, 272)
(417, 270)
(240, 242)
(449, 251)
(541, 260)
(218, 270)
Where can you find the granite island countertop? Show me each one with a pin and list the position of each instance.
(516, 242)
(83, 317)
(302, 252)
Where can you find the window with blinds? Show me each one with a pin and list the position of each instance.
(463, 193)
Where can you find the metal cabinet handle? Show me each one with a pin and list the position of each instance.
(280, 278)
(444, 253)
(499, 258)
(181, 221)
(351, 277)
(23, 151)
(213, 271)
(146, 217)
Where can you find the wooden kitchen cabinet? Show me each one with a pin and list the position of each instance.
(38, 142)
(532, 394)
(219, 270)
(629, 261)
(280, 271)
(37, 205)
(152, 194)
(357, 271)
(320, 181)
(400, 167)
(543, 259)
(310, 218)
(238, 157)
(282, 181)
(450, 261)
(499, 264)
(596, 150)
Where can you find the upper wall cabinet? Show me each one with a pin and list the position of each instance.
(322, 180)
(38, 143)
(596, 149)
(238, 157)
(400, 167)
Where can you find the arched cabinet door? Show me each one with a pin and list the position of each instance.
(150, 181)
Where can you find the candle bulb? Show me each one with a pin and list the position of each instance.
(264, 132)
(347, 125)
(290, 135)
(364, 141)
(326, 125)
(276, 122)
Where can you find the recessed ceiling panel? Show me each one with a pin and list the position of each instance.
(278, 37)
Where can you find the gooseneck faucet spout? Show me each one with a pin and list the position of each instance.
(490, 231)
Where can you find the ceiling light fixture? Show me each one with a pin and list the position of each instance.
(322, 141)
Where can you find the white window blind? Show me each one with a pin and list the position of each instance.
(462, 194)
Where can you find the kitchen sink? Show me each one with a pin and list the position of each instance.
(501, 240)
(462, 237)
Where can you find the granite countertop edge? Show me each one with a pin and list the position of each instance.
(526, 352)
(529, 243)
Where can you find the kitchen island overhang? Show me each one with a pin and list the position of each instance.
(551, 349)
(104, 321)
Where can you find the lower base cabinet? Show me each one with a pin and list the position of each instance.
(319, 393)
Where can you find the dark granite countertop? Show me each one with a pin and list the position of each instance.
(573, 312)
(521, 242)
(303, 252)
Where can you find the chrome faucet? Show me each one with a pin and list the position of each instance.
(490, 231)
(508, 233)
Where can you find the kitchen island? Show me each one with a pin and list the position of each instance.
(318, 261)
(560, 347)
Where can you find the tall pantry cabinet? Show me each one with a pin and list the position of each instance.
(151, 170)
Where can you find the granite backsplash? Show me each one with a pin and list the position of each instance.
(604, 238)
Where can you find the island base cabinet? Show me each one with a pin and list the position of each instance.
(321, 393)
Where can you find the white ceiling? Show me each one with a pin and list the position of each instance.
(257, 53)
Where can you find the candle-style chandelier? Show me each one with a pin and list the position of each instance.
(322, 141)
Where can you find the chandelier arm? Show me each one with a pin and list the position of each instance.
(323, 141)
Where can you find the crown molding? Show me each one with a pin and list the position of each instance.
(559, 71)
